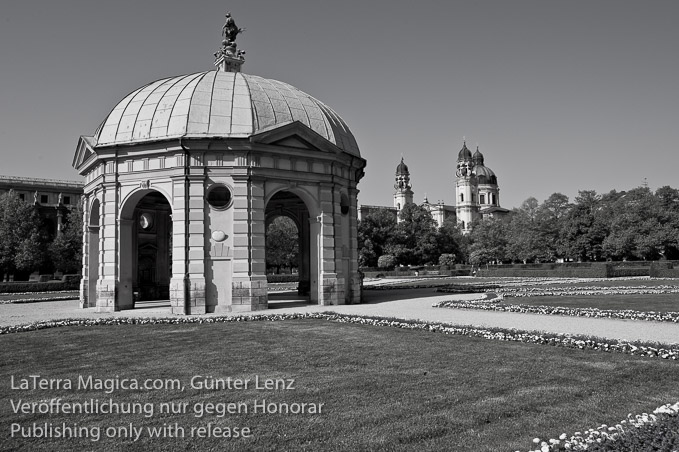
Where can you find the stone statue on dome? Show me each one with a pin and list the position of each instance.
(230, 30)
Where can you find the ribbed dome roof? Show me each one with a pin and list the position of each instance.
(478, 157)
(464, 154)
(485, 175)
(402, 168)
(218, 104)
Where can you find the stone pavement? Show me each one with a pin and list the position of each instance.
(410, 304)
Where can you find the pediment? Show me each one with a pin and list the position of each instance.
(293, 142)
(295, 135)
(84, 151)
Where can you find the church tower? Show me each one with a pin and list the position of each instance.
(466, 188)
(403, 193)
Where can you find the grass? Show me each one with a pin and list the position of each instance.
(383, 388)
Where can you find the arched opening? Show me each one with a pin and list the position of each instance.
(288, 221)
(145, 265)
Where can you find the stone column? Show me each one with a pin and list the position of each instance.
(354, 275)
(179, 281)
(108, 246)
(304, 254)
(85, 270)
(331, 287)
(314, 259)
(196, 242)
(249, 286)
(126, 272)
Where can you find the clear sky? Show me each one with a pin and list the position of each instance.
(560, 96)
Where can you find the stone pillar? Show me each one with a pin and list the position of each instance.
(249, 284)
(304, 254)
(195, 209)
(108, 247)
(354, 275)
(126, 272)
(180, 280)
(331, 287)
(86, 271)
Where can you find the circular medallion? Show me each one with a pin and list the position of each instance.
(219, 236)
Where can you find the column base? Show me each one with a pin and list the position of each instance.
(332, 290)
(249, 294)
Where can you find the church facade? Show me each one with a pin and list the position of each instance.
(477, 194)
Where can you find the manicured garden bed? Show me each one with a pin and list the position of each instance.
(383, 388)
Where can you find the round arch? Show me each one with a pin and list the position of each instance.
(130, 201)
(312, 204)
(145, 247)
(300, 206)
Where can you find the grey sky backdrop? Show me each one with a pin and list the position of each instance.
(560, 95)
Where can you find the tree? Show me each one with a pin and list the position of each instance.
(641, 225)
(414, 239)
(375, 230)
(21, 243)
(581, 233)
(451, 240)
(528, 234)
(66, 249)
(550, 216)
(282, 244)
(488, 241)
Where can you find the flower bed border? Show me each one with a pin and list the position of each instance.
(651, 316)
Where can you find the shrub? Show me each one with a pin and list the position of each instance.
(386, 261)
(447, 259)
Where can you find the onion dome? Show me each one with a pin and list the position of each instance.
(402, 168)
(218, 104)
(478, 157)
(464, 154)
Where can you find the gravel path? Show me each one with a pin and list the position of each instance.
(399, 303)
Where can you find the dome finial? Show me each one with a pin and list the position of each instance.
(227, 58)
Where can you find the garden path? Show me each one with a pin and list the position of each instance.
(409, 304)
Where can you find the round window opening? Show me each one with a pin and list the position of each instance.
(219, 197)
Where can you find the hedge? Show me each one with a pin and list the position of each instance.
(34, 286)
(665, 269)
(282, 278)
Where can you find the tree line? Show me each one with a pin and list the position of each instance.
(26, 245)
(638, 224)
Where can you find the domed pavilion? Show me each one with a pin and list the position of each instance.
(184, 175)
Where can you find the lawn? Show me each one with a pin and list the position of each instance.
(382, 388)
